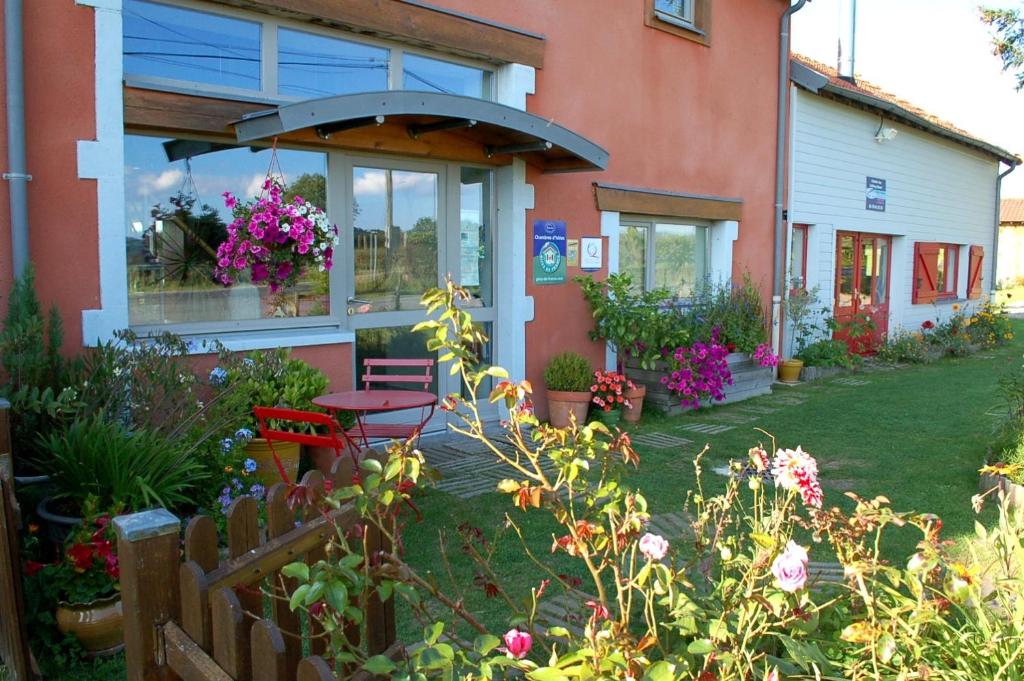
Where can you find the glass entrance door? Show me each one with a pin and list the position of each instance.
(862, 289)
(409, 224)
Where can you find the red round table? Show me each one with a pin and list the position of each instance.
(363, 402)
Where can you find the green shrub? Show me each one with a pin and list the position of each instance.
(636, 324)
(903, 346)
(827, 352)
(35, 374)
(271, 378)
(990, 325)
(569, 372)
(736, 311)
(142, 468)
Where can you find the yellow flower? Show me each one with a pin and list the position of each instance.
(228, 469)
(956, 307)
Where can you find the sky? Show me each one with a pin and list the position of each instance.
(934, 53)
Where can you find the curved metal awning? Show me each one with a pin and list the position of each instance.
(500, 130)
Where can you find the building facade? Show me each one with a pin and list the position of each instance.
(1010, 265)
(892, 211)
(637, 135)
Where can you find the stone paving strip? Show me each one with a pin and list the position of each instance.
(849, 380)
(705, 428)
(754, 409)
(660, 440)
(469, 469)
(737, 419)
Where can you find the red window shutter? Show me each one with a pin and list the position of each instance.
(926, 264)
(975, 265)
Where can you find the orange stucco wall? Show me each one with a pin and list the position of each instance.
(60, 110)
(674, 115)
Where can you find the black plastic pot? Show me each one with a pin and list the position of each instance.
(57, 526)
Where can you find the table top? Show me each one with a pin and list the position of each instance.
(376, 400)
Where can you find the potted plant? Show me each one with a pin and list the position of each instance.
(799, 308)
(273, 379)
(274, 239)
(568, 378)
(83, 582)
(609, 396)
(99, 457)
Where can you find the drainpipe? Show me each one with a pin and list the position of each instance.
(995, 241)
(17, 173)
(779, 271)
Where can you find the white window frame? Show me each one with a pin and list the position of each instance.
(685, 19)
(650, 223)
(269, 26)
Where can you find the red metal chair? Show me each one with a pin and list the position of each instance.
(336, 437)
(424, 377)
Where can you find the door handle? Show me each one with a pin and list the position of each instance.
(357, 301)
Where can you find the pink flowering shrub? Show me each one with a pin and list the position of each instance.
(609, 390)
(274, 240)
(699, 371)
(764, 356)
(734, 598)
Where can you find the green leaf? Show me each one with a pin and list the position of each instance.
(496, 372)
(561, 632)
(384, 590)
(299, 571)
(298, 596)
(315, 593)
(763, 540)
(547, 674)
(701, 646)
(660, 671)
(337, 596)
(488, 642)
(379, 665)
(371, 465)
(433, 632)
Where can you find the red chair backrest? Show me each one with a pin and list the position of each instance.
(336, 437)
(423, 377)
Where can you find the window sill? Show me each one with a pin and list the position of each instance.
(678, 22)
(696, 31)
(243, 341)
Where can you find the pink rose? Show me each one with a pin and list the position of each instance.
(517, 643)
(653, 546)
(790, 567)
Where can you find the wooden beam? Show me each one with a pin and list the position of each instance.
(418, 24)
(648, 202)
(171, 113)
(187, 659)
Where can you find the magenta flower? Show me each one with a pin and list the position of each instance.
(790, 568)
(517, 643)
(654, 547)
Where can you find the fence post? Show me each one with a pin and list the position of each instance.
(148, 551)
(5, 436)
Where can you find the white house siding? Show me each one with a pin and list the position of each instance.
(938, 191)
(1011, 255)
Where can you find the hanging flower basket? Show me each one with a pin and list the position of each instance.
(274, 240)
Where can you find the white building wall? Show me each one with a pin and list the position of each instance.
(1011, 255)
(938, 191)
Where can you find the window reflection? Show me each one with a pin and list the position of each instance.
(394, 238)
(846, 272)
(679, 261)
(633, 254)
(476, 234)
(182, 44)
(311, 65)
(434, 75)
(176, 219)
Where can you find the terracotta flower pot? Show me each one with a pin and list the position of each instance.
(636, 399)
(258, 449)
(789, 370)
(561, 404)
(98, 626)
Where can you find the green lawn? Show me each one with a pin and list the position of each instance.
(916, 435)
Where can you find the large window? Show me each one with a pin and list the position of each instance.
(237, 53)
(658, 254)
(176, 218)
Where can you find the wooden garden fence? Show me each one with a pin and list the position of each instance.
(14, 651)
(205, 619)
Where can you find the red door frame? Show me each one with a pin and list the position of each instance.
(873, 303)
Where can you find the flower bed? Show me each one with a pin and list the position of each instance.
(749, 379)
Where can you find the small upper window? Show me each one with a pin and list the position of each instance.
(690, 19)
(310, 65)
(675, 10)
(434, 75)
(175, 43)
